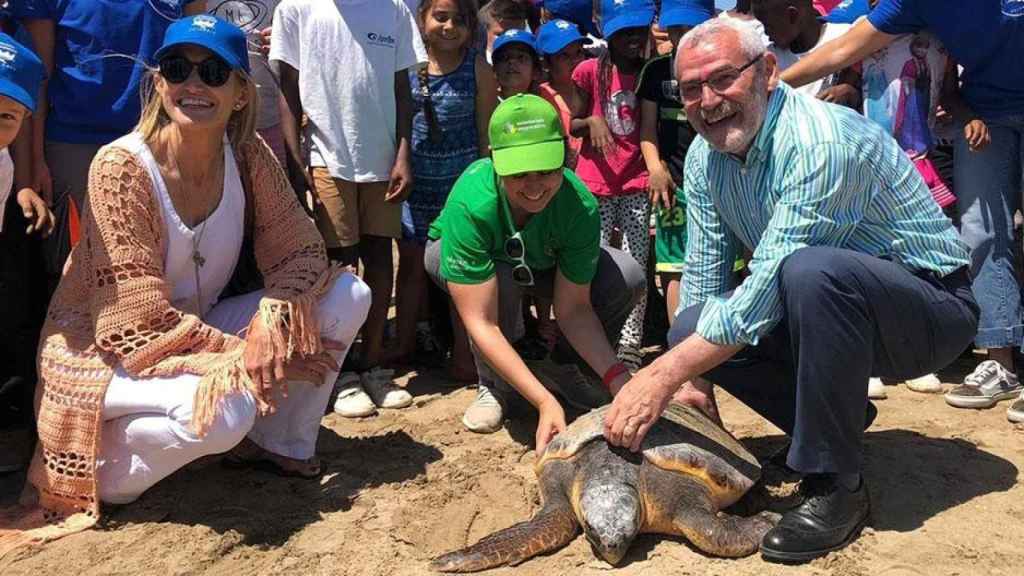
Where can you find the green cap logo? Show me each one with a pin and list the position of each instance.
(526, 136)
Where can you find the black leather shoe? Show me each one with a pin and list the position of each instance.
(830, 518)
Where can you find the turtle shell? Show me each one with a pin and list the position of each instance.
(683, 440)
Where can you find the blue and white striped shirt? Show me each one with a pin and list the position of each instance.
(817, 174)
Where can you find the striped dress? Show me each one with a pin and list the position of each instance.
(439, 160)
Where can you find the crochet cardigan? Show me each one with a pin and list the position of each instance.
(113, 307)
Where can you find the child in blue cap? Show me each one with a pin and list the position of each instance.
(21, 309)
(561, 46)
(516, 63)
(666, 137)
(21, 73)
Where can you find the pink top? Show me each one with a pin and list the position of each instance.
(573, 151)
(622, 170)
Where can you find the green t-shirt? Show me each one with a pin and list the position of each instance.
(476, 221)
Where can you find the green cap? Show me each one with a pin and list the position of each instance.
(526, 136)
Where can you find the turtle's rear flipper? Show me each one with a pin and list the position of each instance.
(721, 534)
(552, 528)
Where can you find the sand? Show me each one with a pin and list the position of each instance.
(407, 485)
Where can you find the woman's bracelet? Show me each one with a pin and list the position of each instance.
(613, 372)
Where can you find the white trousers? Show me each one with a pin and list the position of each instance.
(147, 432)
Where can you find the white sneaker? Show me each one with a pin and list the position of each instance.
(385, 393)
(352, 401)
(927, 384)
(485, 414)
(876, 390)
(988, 385)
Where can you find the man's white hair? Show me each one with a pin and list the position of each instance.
(751, 40)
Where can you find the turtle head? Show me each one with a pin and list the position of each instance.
(611, 518)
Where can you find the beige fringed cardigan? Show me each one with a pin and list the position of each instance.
(113, 306)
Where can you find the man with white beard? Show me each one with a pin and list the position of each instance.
(855, 273)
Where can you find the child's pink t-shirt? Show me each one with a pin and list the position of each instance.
(622, 170)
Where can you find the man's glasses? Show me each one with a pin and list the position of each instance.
(718, 82)
(213, 71)
(516, 250)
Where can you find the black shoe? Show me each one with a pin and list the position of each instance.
(830, 518)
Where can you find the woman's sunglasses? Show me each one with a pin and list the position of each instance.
(213, 71)
(516, 250)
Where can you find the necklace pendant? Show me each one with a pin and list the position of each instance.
(198, 258)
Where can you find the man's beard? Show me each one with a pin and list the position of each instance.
(736, 139)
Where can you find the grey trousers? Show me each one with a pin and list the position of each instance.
(616, 288)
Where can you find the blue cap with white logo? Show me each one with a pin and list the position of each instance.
(685, 12)
(848, 11)
(219, 36)
(619, 14)
(555, 35)
(579, 12)
(514, 36)
(21, 73)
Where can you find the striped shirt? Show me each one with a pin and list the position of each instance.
(816, 175)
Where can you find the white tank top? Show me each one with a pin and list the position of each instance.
(219, 236)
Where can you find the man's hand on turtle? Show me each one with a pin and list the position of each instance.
(635, 409)
(550, 422)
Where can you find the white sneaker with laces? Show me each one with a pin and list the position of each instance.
(485, 414)
(385, 393)
(352, 400)
(876, 389)
(989, 384)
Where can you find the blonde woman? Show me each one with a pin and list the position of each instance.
(143, 367)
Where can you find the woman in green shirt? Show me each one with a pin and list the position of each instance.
(520, 223)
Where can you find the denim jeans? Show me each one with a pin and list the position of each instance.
(989, 185)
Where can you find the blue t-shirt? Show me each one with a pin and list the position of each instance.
(94, 91)
(986, 37)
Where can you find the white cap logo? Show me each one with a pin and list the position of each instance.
(7, 54)
(563, 24)
(510, 33)
(204, 23)
(620, 2)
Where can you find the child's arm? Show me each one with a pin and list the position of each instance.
(583, 125)
(290, 106)
(400, 182)
(975, 129)
(847, 89)
(36, 211)
(43, 34)
(659, 184)
(486, 102)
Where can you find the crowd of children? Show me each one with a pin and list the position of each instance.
(375, 108)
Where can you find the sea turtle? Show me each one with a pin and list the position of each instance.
(689, 469)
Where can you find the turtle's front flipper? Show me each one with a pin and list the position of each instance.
(550, 529)
(721, 534)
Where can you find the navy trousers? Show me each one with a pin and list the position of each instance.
(847, 316)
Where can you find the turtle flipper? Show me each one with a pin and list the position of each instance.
(721, 534)
(550, 529)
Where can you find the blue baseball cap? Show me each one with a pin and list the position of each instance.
(21, 73)
(848, 11)
(514, 36)
(685, 12)
(619, 14)
(555, 35)
(579, 12)
(219, 36)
